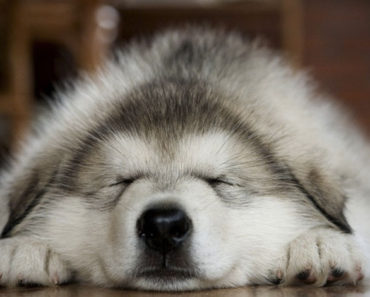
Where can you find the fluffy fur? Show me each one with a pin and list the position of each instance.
(272, 176)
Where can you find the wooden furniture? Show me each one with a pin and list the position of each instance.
(75, 24)
(278, 21)
(71, 23)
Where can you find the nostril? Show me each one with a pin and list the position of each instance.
(163, 229)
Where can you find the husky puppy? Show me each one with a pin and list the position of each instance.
(195, 160)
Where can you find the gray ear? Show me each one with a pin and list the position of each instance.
(23, 192)
(326, 196)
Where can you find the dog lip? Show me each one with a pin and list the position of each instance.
(168, 274)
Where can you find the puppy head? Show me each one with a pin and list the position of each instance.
(173, 190)
(194, 217)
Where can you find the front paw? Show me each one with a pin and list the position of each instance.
(24, 262)
(319, 257)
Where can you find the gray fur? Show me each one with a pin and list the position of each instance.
(184, 84)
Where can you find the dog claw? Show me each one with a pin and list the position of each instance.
(306, 276)
(336, 274)
(276, 278)
(56, 280)
(277, 281)
(360, 275)
(279, 276)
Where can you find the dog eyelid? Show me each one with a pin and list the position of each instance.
(218, 180)
(214, 181)
(124, 181)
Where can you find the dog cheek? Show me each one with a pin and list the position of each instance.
(212, 247)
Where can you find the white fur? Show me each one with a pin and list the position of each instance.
(231, 246)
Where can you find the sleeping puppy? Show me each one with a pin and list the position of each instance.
(195, 160)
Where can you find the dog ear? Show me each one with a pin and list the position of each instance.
(23, 192)
(326, 195)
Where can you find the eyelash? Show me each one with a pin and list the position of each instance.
(216, 181)
(126, 181)
(211, 181)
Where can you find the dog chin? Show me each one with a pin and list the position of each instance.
(168, 283)
(185, 280)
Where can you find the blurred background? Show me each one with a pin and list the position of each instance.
(43, 42)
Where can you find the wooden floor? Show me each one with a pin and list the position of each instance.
(80, 291)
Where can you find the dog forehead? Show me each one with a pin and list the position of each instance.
(211, 149)
(214, 147)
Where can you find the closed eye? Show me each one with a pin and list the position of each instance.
(217, 181)
(213, 181)
(125, 181)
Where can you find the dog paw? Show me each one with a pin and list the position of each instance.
(24, 262)
(319, 257)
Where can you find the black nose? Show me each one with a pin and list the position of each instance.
(163, 229)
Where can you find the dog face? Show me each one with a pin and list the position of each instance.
(188, 218)
(176, 193)
(183, 219)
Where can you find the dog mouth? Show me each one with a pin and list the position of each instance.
(166, 268)
(167, 274)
